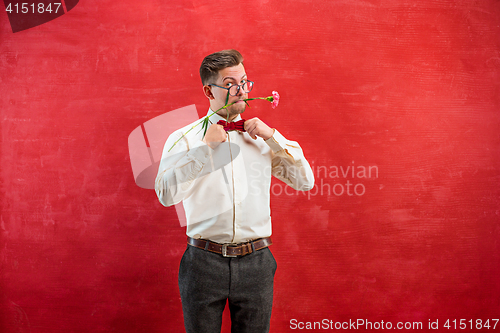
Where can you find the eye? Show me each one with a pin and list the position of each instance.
(229, 84)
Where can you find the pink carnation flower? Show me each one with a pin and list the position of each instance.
(276, 99)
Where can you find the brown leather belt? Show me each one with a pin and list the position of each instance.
(230, 250)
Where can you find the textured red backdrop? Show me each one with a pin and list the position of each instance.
(408, 90)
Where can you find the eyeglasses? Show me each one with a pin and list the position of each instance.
(235, 88)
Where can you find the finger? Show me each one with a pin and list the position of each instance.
(247, 125)
(252, 127)
(250, 123)
(256, 131)
(222, 133)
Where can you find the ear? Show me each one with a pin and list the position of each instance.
(208, 92)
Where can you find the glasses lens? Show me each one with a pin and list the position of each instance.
(233, 91)
(247, 86)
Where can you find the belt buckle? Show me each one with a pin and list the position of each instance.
(224, 252)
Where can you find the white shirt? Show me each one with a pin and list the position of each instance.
(226, 191)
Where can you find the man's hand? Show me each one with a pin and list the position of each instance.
(256, 127)
(215, 136)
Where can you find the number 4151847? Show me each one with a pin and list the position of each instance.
(477, 324)
(25, 8)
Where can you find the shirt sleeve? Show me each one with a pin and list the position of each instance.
(289, 164)
(179, 168)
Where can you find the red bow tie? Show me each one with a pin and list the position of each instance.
(236, 125)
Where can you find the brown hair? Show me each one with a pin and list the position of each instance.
(213, 63)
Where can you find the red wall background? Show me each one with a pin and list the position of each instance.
(408, 88)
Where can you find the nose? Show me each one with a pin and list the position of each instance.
(240, 91)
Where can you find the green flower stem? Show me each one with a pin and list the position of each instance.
(205, 124)
(205, 121)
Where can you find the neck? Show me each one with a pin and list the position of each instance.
(225, 116)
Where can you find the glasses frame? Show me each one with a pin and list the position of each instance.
(240, 86)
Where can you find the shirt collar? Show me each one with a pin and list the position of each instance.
(215, 118)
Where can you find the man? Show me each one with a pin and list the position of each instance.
(223, 179)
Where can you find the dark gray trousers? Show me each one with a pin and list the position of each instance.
(207, 280)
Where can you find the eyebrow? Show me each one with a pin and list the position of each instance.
(232, 78)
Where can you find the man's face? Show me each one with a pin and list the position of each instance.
(229, 76)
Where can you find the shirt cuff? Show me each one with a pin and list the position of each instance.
(276, 142)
